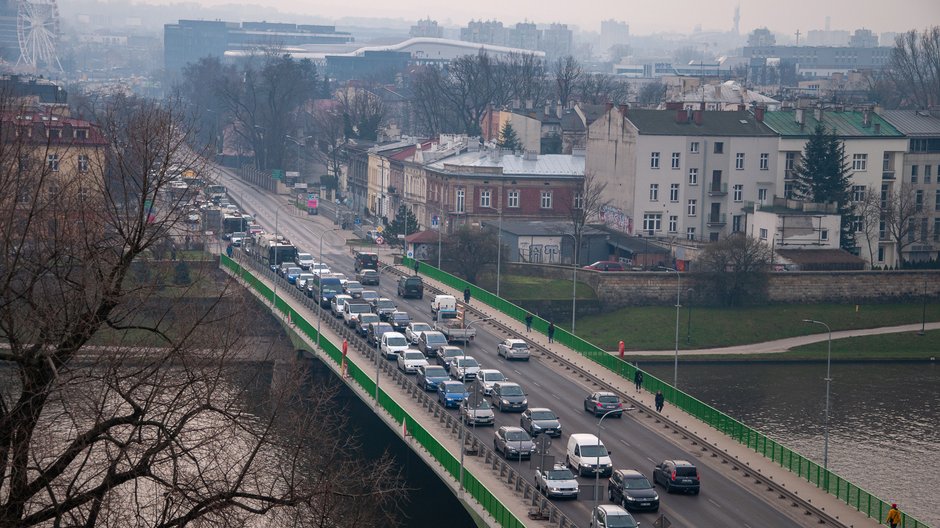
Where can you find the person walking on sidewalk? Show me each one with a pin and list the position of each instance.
(660, 401)
(528, 323)
(638, 379)
(894, 516)
(466, 295)
(417, 265)
(551, 332)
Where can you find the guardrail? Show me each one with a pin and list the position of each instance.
(812, 472)
(542, 508)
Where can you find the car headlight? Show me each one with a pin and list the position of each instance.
(525, 402)
(536, 426)
(656, 497)
(629, 498)
(505, 402)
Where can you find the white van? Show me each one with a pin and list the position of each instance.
(587, 455)
(443, 303)
(392, 344)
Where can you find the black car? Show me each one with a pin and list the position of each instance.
(384, 307)
(368, 277)
(411, 286)
(375, 331)
(399, 321)
(633, 491)
(677, 475)
(540, 420)
(363, 322)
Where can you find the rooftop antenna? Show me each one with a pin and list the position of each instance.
(798, 37)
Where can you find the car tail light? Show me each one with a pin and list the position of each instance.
(599, 404)
(673, 476)
(620, 406)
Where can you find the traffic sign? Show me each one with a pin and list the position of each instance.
(380, 229)
(357, 221)
(379, 240)
(411, 254)
(435, 221)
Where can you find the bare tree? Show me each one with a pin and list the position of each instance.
(329, 136)
(527, 78)
(363, 112)
(868, 212)
(600, 88)
(472, 249)
(433, 111)
(915, 65)
(153, 429)
(567, 75)
(652, 94)
(901, 212)
(734, 269)
(589, 200)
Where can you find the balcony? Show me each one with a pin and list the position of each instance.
(716, 219)
(887, 175)
(717, 189)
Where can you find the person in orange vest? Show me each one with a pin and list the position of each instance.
(894, 516)
(345, 350)
(620, 348)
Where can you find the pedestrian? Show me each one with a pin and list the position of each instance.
(417, 265)
(620, 348)
(894, 516)
(551, 332)
(528, 323)
(466, 295)
(660, 400)
(638, 379)
(229, 250)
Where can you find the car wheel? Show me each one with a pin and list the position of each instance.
(610, 495)
(668, 488)
(495, 446)
(500, 406)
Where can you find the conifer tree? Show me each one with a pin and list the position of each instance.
(508, 139)
(823, 176)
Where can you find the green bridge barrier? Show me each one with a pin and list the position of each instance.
(812, 472)
(448, 461)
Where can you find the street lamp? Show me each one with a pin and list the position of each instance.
(320, 306)
(300, 142)
(675, 371)
(597, 468)
(828, 381)
(574, 280)
(688, 334)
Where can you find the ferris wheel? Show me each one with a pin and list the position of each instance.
(37, 29)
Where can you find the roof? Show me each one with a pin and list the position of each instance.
(544, 228)
(423, 237)
(634, 244)
(512, 164)
(913, 122)
(849, 124)
(822, 259)
(714, 123)
(728, 92)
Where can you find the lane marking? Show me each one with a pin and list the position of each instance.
(651, 460)
(517, 372)
(556, 397)
(536, 384)
(624, 442)
(715, 503)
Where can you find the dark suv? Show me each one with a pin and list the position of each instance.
(677, 475)
(630, 489)
(411, 286)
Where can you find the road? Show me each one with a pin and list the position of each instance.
(633, 442)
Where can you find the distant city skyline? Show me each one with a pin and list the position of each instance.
(683, 16)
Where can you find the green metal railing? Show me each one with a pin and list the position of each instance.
(423, 437)
(812, 472)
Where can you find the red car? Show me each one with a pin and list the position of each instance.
(606, 265)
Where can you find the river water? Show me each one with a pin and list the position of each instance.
(883, 433)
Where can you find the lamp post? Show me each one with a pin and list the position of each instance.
(675, 369)
(688, 333)
(828, 381)
(923, 312)
(574, 280)
(597, 468)
(320, 306)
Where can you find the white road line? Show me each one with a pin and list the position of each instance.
(536, 384)
(715, 503)
(650, 459)
(556, 397)
(517, 372)
(746, 525)
(624, 442)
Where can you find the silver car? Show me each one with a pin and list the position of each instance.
(513, 349)
(478, 412)
(513, 443)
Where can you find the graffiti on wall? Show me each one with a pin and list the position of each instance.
(615, 218)
(539, 253)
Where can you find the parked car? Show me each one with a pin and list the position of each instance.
(384, 307)
(603, 402)
(487, 377)
(464, 368)
(677, 475)
(362, 325)
(586, 455)
(478, 412)
(539, 420)
(374, 334)
(431, 341)
(368, 277)
(305, 260)
(338, 303)
(557, 482)
(513, 443)
(392, 344)
(451, 393)
(410, 360)
(509, 396)
(513, 349)
(399, 320)
(447, 355)
(610, 516)
(413, 331)
(429, 377)
(369, 295)
(630, 489)
(353, 288)
(411, 286)
(605, 265)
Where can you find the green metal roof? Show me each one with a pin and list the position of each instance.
(847, 124)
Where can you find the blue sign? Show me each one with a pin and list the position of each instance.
(435, 221)
(357, 221)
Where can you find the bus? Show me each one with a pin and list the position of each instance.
(215, 192)
(313, 206)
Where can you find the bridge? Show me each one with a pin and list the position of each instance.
(747, 478)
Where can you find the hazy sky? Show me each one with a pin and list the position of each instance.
(644, 17)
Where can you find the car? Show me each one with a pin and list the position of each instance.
(384, 307)
(509, 396)
(632, 490)
(282, 269)
(430, 376)
(447, 355)
(513, 349)
(374, 334)
(606, 265)
(368, 295)
(413, 331)
(353, 288)
(368, 277)
(603, 402)
(539, 420)
(477, 411)
(399, 320)
(464, 368)
(238, 238)
(451, 393)
(677, 475)
(392, 344)
(411, 286)
(487, 377)
(586, 455)
(362, 325)
(557, 482)
(366, 260)
(352, 310)
(301, 280)
(319, 268)
(410, 360)
(305, 260)
(192, 218)
(431, 341)
(338, 303)
(513, 442)
(610, 516)
(292, 274)
(341, 277)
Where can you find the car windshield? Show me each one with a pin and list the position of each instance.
(510, 390)
(455, 387)
(330, 289)
(467, 362)
(619, 520)
(543, 415)
(636, 483)
(400, 317)
(559, 474)
(368, 295)
(420, 327)
(306, 276)
(593, 450)
(368, 318)
(396, 341)
(381, 328)
(359, 308)
(369, 273)
(413, 355)
(517, 436)
(435, 372)
(304, 256)
(608, 399)
(494, 376)
(353, 285)
(340, 300)
(294, 271)
(450, 354)
(685, 471)
(520, 345)
(385, 303)
(481, 405)
(434, 338)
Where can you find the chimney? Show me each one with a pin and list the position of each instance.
(699, 116)
(759, 114)
(547, 109)
(682, 116)
(623, 109)
(800, 117)
(866, 118)
(610, 106)
(817, 113)
(559, 111)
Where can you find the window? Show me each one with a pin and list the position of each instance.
(881, 254)
(691, 207)
(673, 192)
(673, 224)
(923, 230)
(690, 233)
(788, 190)
(858, 224)
(739, 161)
(738, 192)
(761, 195)
(763, 233)
(82, 163)
(55, 133)
(936, 207)
(52, 162)
(858, 193)
(654, 192)
(927, 174)
(546, 200)
(789, 165)
(693, 176)
(919, 200)
(936, 229)
(764, 161)
(719, 147)
(886, 162)
(860, 162)
(675, 160)
(652, 221)
(913, 173)
(485, 198)
(737, 223)
(693, 147)
(81, 133)
(824, 234)
(578, 200)
(512, 199)
(654, 160)
(460, 206)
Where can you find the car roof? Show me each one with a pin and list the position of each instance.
(504, 384)
(515, 341)
(605, 393)
(432, 332)
(631, 473)
(680, 463)
(343, 296)
(393, 334)
(540, 409)
(489, 371)
(613, 508)
(508, 428)
(584, 437)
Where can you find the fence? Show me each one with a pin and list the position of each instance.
(448, 461)
(812, 472)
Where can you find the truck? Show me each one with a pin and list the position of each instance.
(451, 324)
(215, 192)
(279, 251)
